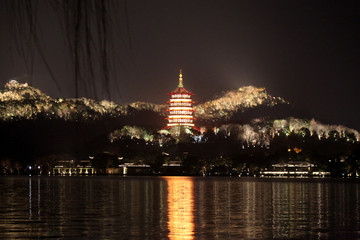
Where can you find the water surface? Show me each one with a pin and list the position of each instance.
(178, 208)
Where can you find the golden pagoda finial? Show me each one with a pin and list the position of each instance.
(180, 79)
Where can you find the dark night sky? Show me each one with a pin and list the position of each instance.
(304, 51)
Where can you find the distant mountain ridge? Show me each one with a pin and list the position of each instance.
(20, 101)
(230, 102)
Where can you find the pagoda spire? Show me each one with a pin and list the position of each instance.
(180, 80)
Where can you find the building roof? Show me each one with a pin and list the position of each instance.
(294, 164)
(181, 90)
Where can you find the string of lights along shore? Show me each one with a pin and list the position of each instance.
(180, 107)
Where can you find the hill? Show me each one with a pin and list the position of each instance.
(246, 123)
(19, 101)
(225, 106)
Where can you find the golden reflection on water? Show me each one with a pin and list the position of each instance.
(180, 201)
(178, 208)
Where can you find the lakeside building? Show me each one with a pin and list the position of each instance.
(173, 168)
(180, 108)
(131, 169)
(73, 167)
(294, 169)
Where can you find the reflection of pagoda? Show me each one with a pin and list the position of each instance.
(180, 107)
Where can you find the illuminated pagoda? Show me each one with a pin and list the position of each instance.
(180, 108)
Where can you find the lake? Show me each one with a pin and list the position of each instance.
(178, 208)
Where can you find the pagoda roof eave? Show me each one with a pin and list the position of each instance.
(180, 90)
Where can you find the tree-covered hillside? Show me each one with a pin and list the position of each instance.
(240, 128)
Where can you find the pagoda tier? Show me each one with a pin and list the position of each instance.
(180, 107)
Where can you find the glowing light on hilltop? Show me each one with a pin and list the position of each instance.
(180, 107)
(180, 200)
